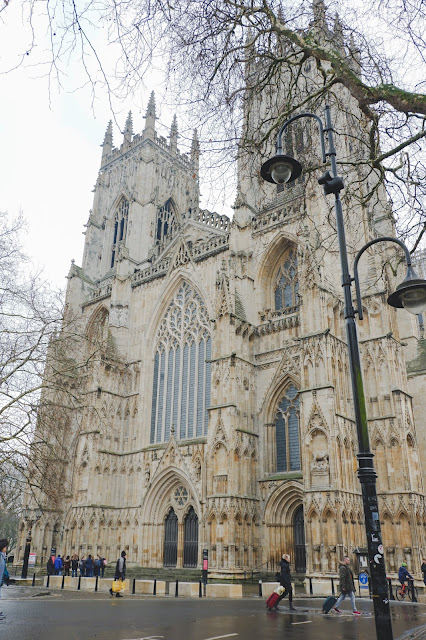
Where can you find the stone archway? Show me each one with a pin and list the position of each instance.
(282, 508)
(170, 521)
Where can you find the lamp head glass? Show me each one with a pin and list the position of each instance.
(281, 169)
(410, 294)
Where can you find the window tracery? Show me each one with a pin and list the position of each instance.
(286, 288)
(287, 431)
(166, 223)
(182, 369)
(120, 226)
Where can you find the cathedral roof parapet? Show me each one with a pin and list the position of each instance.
(278, 212)
(280, 324)
(208, 218)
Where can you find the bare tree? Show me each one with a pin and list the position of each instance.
(221, 55)
(43, 365)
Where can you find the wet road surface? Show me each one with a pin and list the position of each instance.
(76, 616)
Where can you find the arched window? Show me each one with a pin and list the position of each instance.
(182, 369)
(120, 226)
(286, 288)
(165, 222)
(287, 431)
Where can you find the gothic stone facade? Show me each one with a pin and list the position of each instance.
(221, 414)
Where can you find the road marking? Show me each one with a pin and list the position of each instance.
(304, 622)
(229, 635)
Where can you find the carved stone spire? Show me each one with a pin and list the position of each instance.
(354, 59)
(195, 149)
(107, 144)
(174, 134)
(149, 131)
(319, 22)
(128, 129)
(339, 38)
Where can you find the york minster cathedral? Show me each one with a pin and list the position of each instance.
(218, 411)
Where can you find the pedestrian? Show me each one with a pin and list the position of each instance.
(97, 567)
(4, 575)
(74, 565)
(120, 572)
(82, 567)
(423, 568)
(58, 566)
(89, 566)
(347, 585)
(50, 567)
(103, 565)
(67, 566)
(285, 581)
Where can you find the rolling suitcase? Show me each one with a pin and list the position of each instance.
(273, 598)
(328, 604)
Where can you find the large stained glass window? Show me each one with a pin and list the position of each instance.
(286, 290)
(182, 369)
(287, 431)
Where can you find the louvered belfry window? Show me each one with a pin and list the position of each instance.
(287, 431)
(182, 369)
(286, 291)
(120, 227)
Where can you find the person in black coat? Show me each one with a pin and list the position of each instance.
(285, 581)
(423, 569)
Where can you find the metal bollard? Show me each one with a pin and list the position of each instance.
(311, 591)
(260, 589)
(200, 590)
(96, 583)
(177, 589)
(154, 591)
(63, 581)
(411, 588)
(332, 587)
(134, 587)
(33, 580)
(391, 596)
(47, 582)
(79, 583)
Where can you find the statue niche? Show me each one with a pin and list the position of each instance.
(320, 462)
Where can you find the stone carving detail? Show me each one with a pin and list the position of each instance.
(119, 316)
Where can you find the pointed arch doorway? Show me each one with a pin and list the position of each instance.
(299, 540)
(170, 539)
(190, 540)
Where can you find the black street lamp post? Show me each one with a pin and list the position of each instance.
(411, 294)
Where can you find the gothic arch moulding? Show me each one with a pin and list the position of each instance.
(282, 504)
(275, 393)
(279, 516)
(165, 298)
(169, 491)
(270, 263)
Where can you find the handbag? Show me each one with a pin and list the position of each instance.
(117, 586)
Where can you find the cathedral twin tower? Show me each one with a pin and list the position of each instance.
(218, 410)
